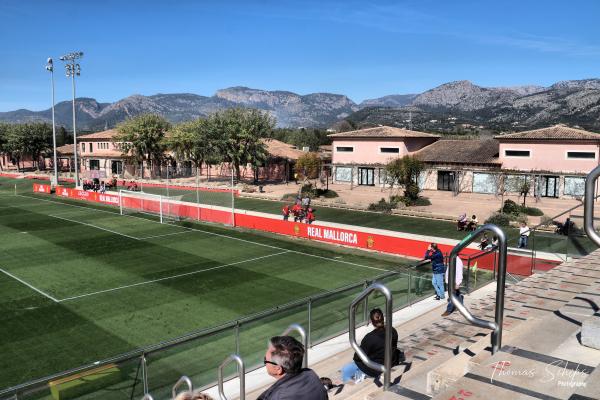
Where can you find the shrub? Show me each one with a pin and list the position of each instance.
(382, 206)
(521, 218)
(499, 219)
(510, 207)
(533, 211)
(289, 197)
(328, 194)
(422, 201)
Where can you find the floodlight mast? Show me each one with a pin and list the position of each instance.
(50, 68)
(73, 68)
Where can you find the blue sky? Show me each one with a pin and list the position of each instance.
(363, 49)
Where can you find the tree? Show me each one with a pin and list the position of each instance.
(38, 139)
(15, 144)
(405, 172)
(4, 128)
(241, 131)
(524, 189)
(195, 141)
(142, 139)
(308, 166)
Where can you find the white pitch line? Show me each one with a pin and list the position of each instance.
(94, 226)
(218, 234)
(171, 277)
(30, 286)
(166, 234)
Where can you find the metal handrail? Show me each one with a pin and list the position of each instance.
(181, 381)
(386, 368)
(298, 328)
(496, 325)
(588, 208)
(241, 374)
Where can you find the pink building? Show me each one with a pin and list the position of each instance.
(553, 160)
(359, 156)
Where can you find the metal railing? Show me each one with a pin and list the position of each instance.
(496, 325)
(183, 380)
(386, 368)
(241, 372)
(588, 209)
(298, 328)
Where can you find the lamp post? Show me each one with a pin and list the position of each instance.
(50, 68)
(72, 69)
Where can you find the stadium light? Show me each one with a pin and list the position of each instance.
(50, 68)
(73, 68)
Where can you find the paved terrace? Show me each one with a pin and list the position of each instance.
(447, 358)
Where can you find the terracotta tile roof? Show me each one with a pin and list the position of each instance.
(383, 132)
(460, 152)
(556, 132)
(66, 150)
(280, 149)
(104, 135)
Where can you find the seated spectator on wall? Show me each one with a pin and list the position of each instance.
(473, 222)
(373, 344)
(310, 216)
(461, 222)
(283, 361)
(485, 241)
(102, 187)
(195, 395)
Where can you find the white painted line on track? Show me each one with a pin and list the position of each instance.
(216, 234)
(30, 286)
(171, 277)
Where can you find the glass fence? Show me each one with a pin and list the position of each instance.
(198, 354)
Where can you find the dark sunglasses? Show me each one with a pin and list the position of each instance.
(265, 362)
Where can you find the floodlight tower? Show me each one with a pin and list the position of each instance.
(72, 69)
(50, 68)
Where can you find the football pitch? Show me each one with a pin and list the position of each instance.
(80, 283)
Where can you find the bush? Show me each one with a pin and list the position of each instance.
(510, 207)
(407, 201)
(382, 206)
(422, 201)
(499, 219)
(533, 211)
(289, 197)
(328, 194)
(521, 218)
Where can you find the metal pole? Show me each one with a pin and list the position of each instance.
(366, 309)
(53, 127)
(232, 199)
(588, 206)
(409, 284)
(309, 339)
(197, 192)
(237, 337)
(75, 133)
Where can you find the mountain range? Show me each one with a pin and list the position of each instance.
(575, 102)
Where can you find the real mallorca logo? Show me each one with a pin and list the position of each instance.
(370, 242)
(332, 234)
(296, 229)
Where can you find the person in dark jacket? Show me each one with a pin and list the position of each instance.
(283, 362)
(373, 344)
(438, 268)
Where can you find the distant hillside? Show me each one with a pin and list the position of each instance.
(451, 107)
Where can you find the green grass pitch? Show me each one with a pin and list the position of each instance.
(80, 283)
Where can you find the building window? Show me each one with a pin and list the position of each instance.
(581, 154)
(394, 150)
(343, 174)
(344, 149)
(485, 183)
(95, 165)
(517, 153)
(574, 186)
(83, 147)
(91, 148)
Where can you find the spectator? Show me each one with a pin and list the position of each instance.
(195, 395)
(102, 187)
(296, 177)
(283, 361)
(494, 243)
(286, 212)
(296, 211)
(523, 235)
(305, 202)
(310, 216)
(459, 277)
(437, 265)
(472, 225)
(373, 344)
(461, 222)
(485, 241)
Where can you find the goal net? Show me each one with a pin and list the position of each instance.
(165, 207)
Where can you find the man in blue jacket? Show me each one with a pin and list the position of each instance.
(439, 269)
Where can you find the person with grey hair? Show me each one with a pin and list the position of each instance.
(195, 395)
(283, 361)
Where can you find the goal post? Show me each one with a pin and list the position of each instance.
(132, 202)
(165, 207)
